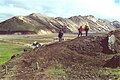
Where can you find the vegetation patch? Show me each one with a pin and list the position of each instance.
(55, 73)
(9, 49)
(113, 73)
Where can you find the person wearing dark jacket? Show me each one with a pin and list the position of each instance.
(80, 31)
(60, 35)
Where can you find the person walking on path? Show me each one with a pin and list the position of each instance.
(80, 31)
(86, 29)
(60, 35)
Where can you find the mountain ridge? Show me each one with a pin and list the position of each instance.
(42, 24)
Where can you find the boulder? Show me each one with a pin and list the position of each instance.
(115, 38)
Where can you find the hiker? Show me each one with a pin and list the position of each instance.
(80, 31)
(86, 29)
(60, 35)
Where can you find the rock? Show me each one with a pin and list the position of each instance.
(13, 56)
(115, 40)
(25, 50)
(111, 42)
(27, 62)
(36, 44)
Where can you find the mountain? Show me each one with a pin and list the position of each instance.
(37, 23)
(116, 24)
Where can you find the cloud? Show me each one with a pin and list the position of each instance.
(61, 8)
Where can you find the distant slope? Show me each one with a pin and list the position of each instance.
(116, 24)
(41, 24)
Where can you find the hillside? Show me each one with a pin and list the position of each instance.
(116, 23)
(37, 23)
(82, 58)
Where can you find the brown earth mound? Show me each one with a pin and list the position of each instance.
(114, 62)
(78, 59)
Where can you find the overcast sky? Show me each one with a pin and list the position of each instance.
(105, 9)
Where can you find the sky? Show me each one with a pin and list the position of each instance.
(104, 9)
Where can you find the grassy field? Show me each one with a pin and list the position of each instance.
(14, 44)
(10, 45)
(8, 49)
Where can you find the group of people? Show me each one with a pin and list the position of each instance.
(61, 32)
(80, 29)
(86, 28)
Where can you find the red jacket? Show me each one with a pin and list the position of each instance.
(80, 29)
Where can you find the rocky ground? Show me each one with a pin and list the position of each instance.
(82, 58)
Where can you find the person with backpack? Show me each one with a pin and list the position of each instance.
(86, 29)
(60, 35)
(80, 31)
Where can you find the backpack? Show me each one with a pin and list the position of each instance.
(86, 27)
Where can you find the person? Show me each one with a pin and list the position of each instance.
(86, 29)
(80, 31)
(60, 35)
